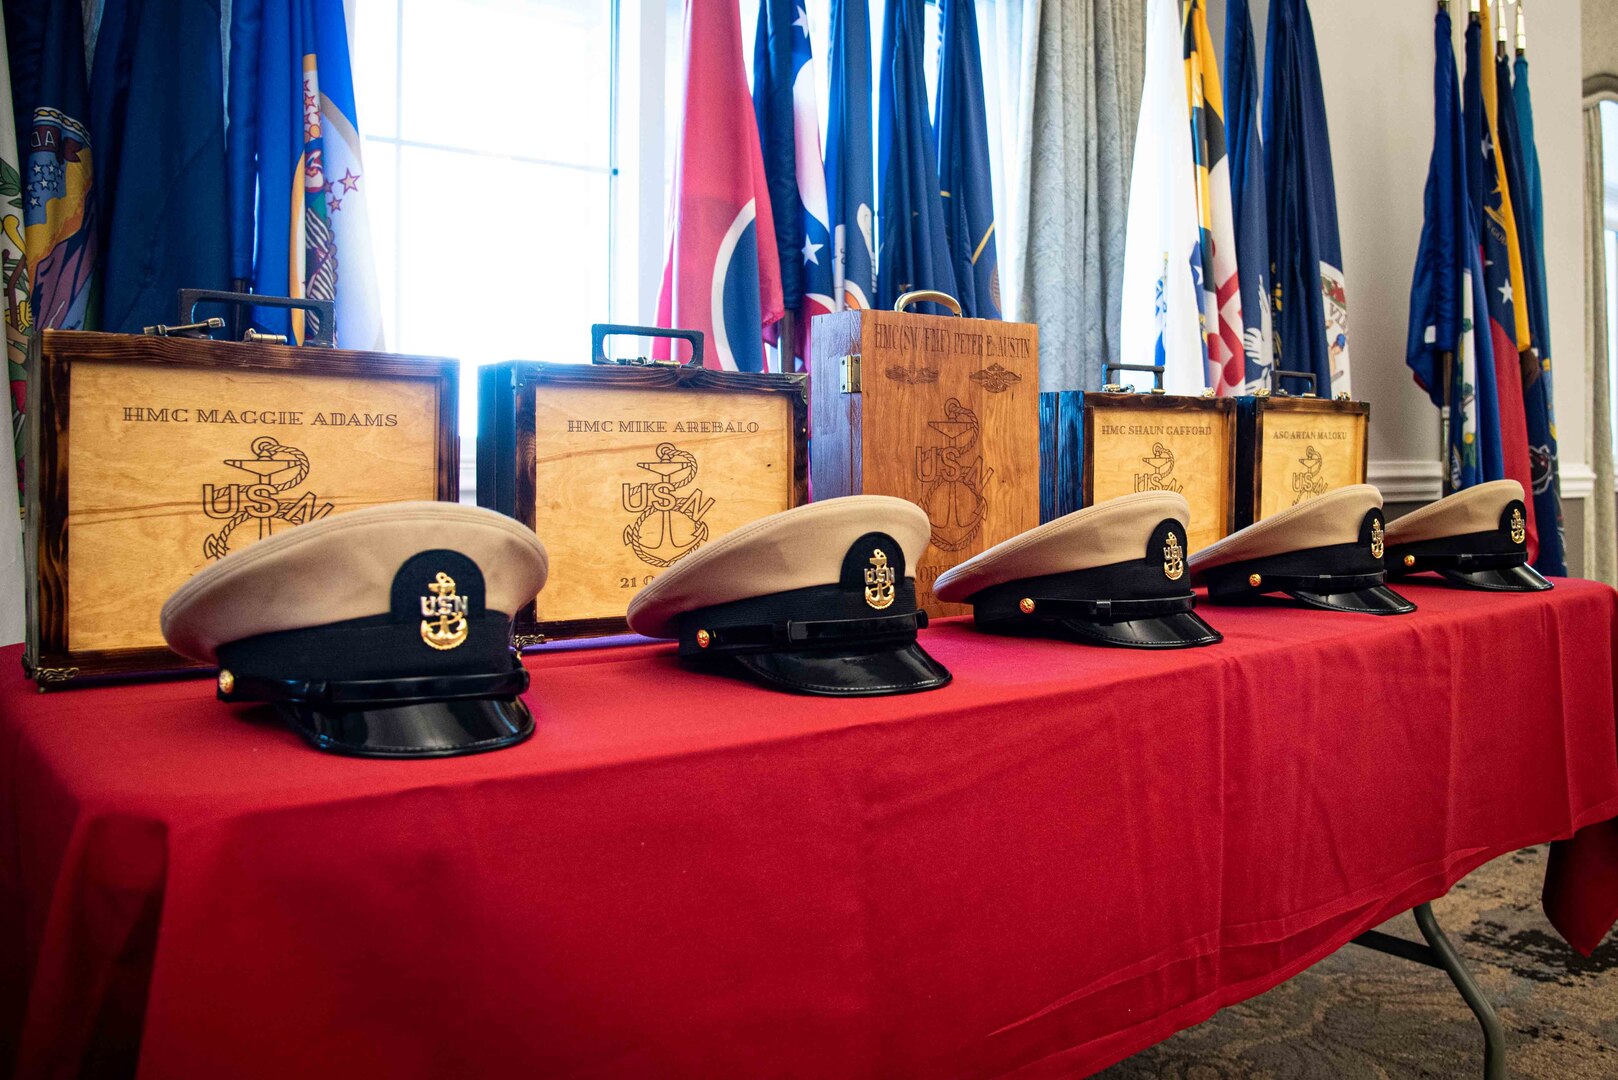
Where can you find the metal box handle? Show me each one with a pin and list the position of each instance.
(600, 332)
(324, 311)
(927, 296)
(1155, 369)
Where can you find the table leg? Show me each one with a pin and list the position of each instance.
(1439, 953)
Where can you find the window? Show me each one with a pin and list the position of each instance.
(491, 154)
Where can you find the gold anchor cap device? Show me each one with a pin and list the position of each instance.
(820, 599)
(382, 632)
(1109, 574)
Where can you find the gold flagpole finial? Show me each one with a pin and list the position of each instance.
(1501, 35)
(1522, 31)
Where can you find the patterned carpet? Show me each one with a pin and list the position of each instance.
(1360, 1014)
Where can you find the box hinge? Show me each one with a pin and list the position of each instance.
(848, 374)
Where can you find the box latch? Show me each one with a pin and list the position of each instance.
(848, 374)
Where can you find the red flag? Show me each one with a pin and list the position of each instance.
(722, 275)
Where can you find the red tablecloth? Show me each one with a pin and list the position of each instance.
(1064, 856)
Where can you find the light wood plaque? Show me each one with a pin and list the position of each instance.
(624, 469)
(1186, 445)
(1307, 452)
(156, 457)
(945, 414)
(627, 482)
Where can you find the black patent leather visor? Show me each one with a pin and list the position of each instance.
(1176, 630)
(849, 671)
(418, 730)
(1371, 600)
(1522, 578)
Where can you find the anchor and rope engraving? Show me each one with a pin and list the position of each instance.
(278, 468)
(668, 522)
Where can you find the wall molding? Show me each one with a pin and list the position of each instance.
(1407, 481)
(1578, 480)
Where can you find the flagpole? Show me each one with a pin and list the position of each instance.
(1522, 32)
(786, 344)
(1500, 33)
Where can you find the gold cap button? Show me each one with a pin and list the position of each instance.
(1026, 606)
(1255, 580)
(703, 639)
(227, 682)
(1410, 560)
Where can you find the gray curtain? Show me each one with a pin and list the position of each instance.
(1601, 515)
(1082, 66)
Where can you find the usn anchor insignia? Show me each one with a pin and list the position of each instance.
(953, 477)
(277, 468)
(879, 581)
(1307, 483)
(1173, 558)
(668, 521)
(443, 614)
(1519, 526)
(1160, 476)
(1376, 538)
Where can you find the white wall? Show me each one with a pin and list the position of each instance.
(1376, 60)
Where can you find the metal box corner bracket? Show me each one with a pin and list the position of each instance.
(623, 469)
(151, 457)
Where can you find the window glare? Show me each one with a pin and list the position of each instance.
(488, 148)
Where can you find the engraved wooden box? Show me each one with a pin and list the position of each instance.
(150, 457)
(623, 470)
(1098, 445)
(938, 410)
(1289, 449)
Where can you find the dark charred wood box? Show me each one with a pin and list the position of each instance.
(150, 457)
(1100, 444)
(1289, 449)
(623, 469)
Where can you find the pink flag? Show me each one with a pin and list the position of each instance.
(722, 275)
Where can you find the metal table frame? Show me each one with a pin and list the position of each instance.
(1439, 953)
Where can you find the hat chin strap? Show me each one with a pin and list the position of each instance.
(1236, 582)
(1106, 611)
(794, 633)
(379, 693)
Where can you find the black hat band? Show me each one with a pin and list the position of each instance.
(770, 623)
(1489, 550)
(1352, 566)
(375, 693)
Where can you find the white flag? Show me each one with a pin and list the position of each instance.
(1161, 318)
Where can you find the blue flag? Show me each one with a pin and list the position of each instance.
(1248, 201)
(1311, 303)
(158, 117)
(1446, 291)
(963, 163)
(1538, 405)
(850, 190)
(787, 109)
(60, 231)
(299, 222)
(915, 251)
